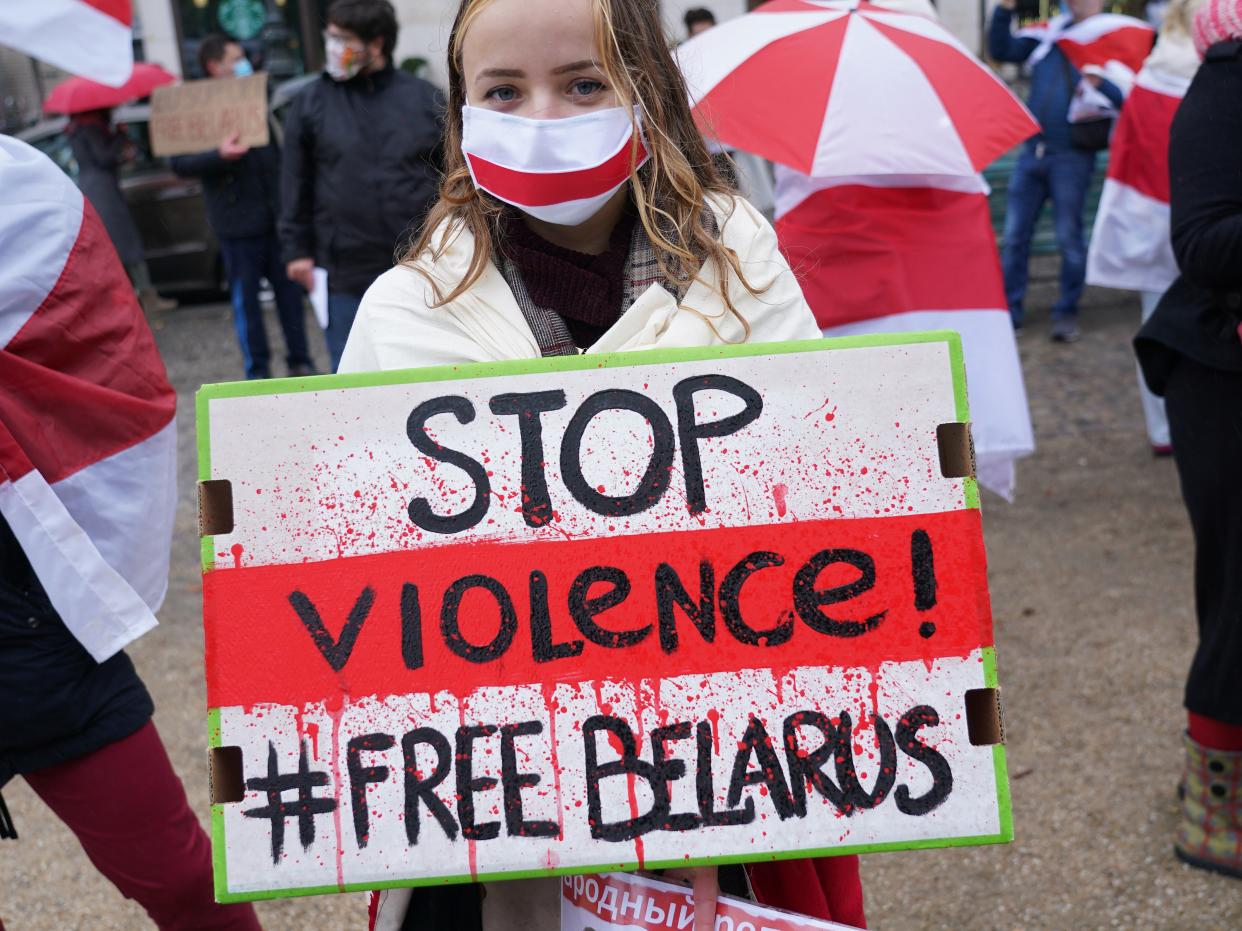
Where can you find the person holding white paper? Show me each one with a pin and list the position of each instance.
(241, 186)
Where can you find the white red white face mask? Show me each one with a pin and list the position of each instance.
(559, 171)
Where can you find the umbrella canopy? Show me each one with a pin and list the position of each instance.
(841, 89)
(77, 95)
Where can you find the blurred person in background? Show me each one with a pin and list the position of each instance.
(242, 189)
(1050, 166)
(100, 149)
(1191, 353)
(360, 163)
(698, 19)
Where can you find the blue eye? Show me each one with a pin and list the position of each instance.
(586, 87)
(504, 94)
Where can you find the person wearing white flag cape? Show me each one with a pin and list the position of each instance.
(580, 211)
(1130, 244)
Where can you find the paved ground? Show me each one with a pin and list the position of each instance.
(1090, 575)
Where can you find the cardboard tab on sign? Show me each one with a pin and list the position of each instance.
(199, 115)
(985, 721)
(225, 766)
(215, 507)
(957, 450)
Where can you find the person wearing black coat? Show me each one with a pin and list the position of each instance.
(1190, 351)
(242, 189)
(361, 162)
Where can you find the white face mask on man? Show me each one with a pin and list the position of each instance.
(344, 58)
(559, 171)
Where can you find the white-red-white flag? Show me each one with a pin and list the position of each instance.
(1096, 40)
(1130, 246)
(899, 254)
(92, 38)
(87, 416)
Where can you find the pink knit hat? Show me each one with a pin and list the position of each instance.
(1217, 21)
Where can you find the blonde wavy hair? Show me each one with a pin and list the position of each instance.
(669, 193)
(1178, 17)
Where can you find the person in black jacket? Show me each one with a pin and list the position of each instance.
(1191, 353)
(240, 186)
(360, 163)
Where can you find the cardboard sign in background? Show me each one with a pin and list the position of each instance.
(198, 115)
(595, 613)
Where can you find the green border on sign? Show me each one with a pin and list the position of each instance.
(219, 862)
(579, 363)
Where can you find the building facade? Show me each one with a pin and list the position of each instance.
(171, 29)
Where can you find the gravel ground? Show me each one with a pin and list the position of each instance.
(1091, 589)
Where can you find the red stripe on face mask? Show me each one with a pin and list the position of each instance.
(543, 189)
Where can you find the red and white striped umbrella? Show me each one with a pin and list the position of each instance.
(842, 89)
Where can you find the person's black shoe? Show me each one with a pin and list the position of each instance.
(301, 371)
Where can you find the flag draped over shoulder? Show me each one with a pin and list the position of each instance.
(1096, 40)
(87, 429)
(906, 253)
(87, 37)
(1130, 246)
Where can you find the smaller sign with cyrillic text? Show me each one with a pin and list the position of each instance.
(625, 902)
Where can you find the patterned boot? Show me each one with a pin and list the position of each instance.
(1210, 833)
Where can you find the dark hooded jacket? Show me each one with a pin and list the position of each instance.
(360, 167)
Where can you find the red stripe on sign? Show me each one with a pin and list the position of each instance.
(539, 189)
(1139, 153)
(120, 10)
(82, 378)
(283, 633)
(864, 252)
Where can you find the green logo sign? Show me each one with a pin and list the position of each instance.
(242, 19)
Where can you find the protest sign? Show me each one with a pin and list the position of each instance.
(625, 902)
(596, 613)
(199, 115)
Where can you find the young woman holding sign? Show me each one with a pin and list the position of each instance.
(580, 211)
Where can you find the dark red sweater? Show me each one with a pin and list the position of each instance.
(586, 290)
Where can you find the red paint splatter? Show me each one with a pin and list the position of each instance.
(473, 852)
(714, 717)
(237, 549)
(549, 702)
(336, 714)
(778, 495)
